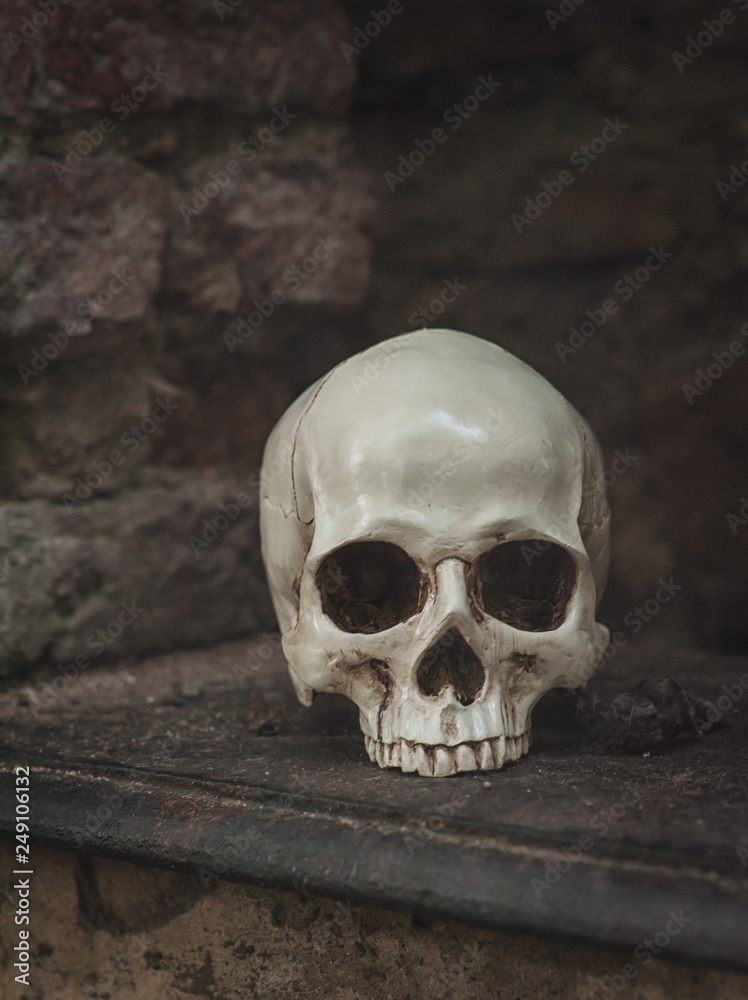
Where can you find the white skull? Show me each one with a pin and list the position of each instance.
(435, 534)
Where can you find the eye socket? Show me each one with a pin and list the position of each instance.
(368, 587)
(526, 584)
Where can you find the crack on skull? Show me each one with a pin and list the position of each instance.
(297, 431)
(380, 670)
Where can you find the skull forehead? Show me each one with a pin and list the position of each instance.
(443, 433)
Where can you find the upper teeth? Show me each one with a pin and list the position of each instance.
(437, 761)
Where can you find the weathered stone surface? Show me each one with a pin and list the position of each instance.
(78, 249)
(67, 574)
(244, 56)
(257, 230)
(77, 423)
(137, 932)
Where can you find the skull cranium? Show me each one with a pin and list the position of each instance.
(435, 535)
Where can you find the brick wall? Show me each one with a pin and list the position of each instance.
(183, 237)
(204, 206)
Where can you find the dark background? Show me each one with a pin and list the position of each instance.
(82, 531)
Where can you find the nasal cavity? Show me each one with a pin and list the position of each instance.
(450, 662)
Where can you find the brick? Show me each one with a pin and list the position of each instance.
(65, 573)
(244, 59)
(260, 233)
(83, 248)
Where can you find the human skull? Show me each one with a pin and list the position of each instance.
(435, 535)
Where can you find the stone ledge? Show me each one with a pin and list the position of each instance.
(203, 761)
